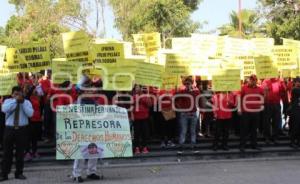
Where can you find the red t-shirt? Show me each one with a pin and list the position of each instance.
(184, 103)
(36, 117)
(275, 91)
(223, 105)
(252, 98)
(141, 107)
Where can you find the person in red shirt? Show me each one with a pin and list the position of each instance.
(35, 127)
(223, 103)
(186, 106)
(252, 103)
(275, 92)
(141, 114)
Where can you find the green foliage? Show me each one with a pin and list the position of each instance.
(282, 18)
(169, 17)
(250, 25)
(42, 21)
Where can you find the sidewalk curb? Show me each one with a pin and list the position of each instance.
(152, 164)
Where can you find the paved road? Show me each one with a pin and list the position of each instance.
(228, 172)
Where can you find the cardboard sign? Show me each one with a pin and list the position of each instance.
(227, 80)
(63, 70)
(285, 57)
(265, 67)
(262, 46)
(12, 62)
(34, 57)
(76, 46)
(7, 81)
(89, 132)
(177, 64)
(2, 54)
(149, 74)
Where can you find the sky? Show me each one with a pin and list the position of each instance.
(214, 12)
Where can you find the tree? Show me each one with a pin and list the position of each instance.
(44, 20)
(282, 18)
(169, 17)
(250, 25)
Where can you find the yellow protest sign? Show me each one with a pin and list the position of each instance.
(147, 43)
(115, 79)
(12, 63)
(107, 53)
(237, 47)
(34, 57)
(248, 65)
(210, 67)
(139, 45)
(285, 57)
(265, 67)
(177, 64)
(2, 54)
(76, 46)
(170, 81)
(183, 44)
(149, 74)
(205, 44)
(7, 81)
(63, 70)
(227, 80)
(262, 46)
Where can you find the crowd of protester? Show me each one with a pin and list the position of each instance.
(177, 117)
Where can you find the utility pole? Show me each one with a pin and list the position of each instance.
(240, 18)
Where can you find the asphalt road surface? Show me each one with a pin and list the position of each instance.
(218, 172)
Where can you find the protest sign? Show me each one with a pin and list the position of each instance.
(7, 81)
(205, 44)
(177, 64)
(117, 79)
(183, 44)
(285, 57)
(63, 70)
(237, 47)
(89, 131)
(262, 46)
(227, 80)
(2, 54)
(149, 74)
(107, 53)
(265, 67)
(76, 46)
(248, 65)
(139, 44)
(33, 57)
(147, 43)
(12, 63)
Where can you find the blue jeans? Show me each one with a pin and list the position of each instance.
(187, 120)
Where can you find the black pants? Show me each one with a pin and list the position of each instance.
(249, 126)
(49, 122)
(141, 133)
(207, 121)
(222, 130)
(2, 126)
(295, 127)
(272, 121)
(17, 138)
(34, 135)
(167, 128)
